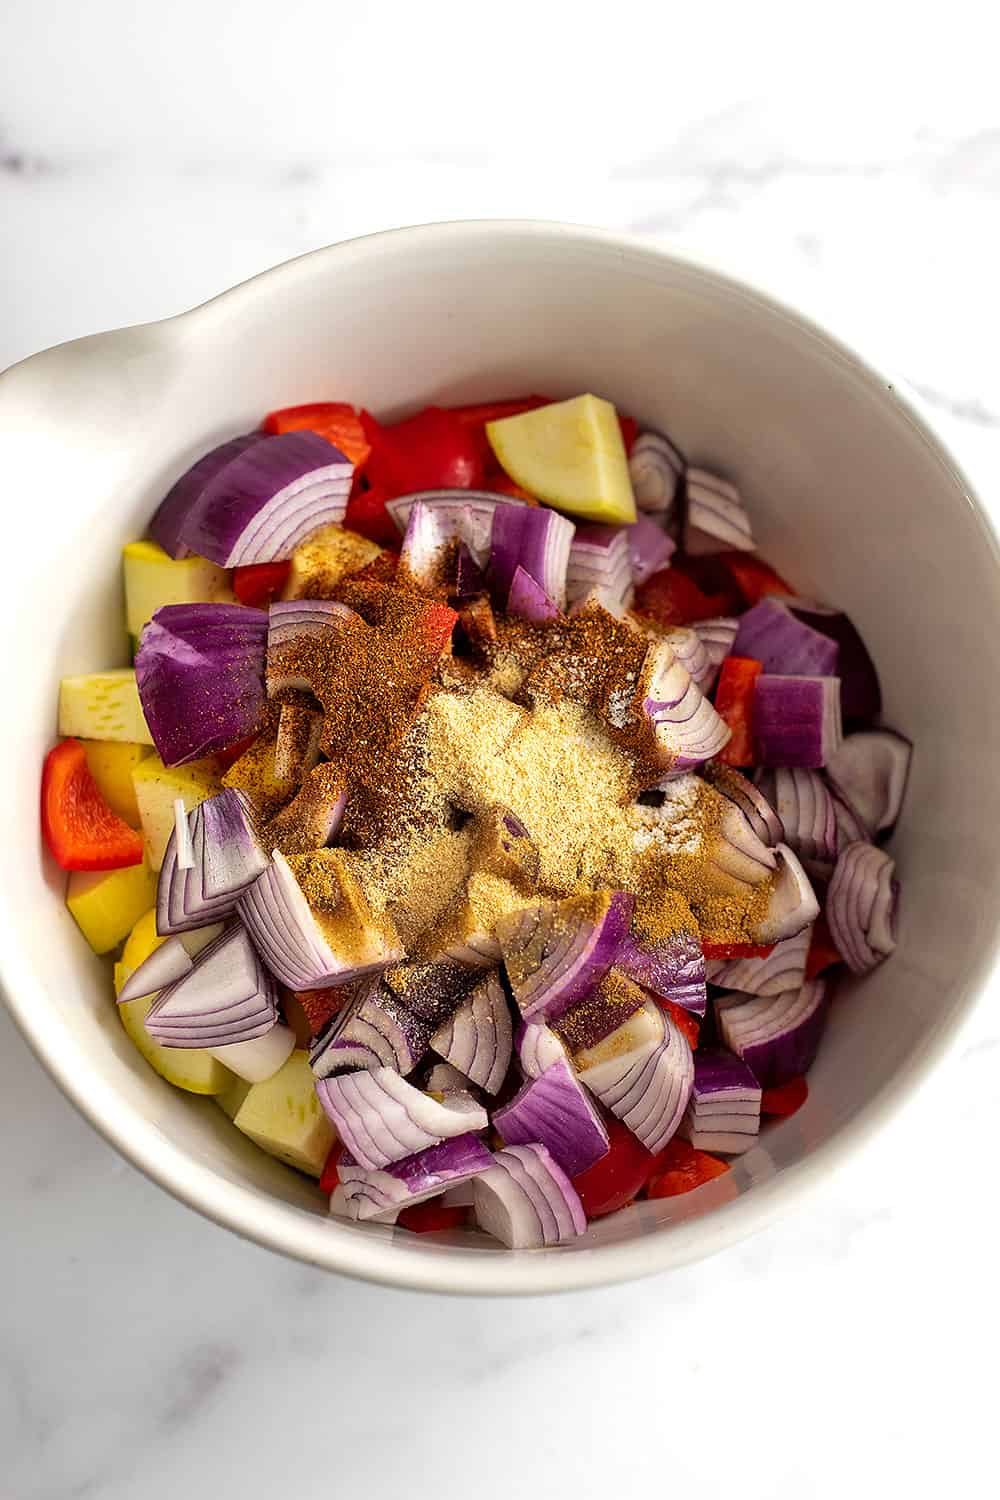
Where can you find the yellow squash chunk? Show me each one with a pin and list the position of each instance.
(103, 706)
(156, 786)
(186, 1067)
(254, 774)
(106, 904)
(111, 763)
(320, 563)
(153, 578)
(284, 1116)
(233, 1095)
(571, 455)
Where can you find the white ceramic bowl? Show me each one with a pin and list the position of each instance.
(850, 494)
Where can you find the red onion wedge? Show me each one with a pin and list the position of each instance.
(444, 1079)
(690, 651)
(166, 964)
(860, 694)
(379, 1193)
(258, 506)
(538, 1047)
(227, 858)
(527, 600)
(850, 828)
(777, 1036)
(783, 969)
(870, 772)
(614, 1001)
(470, 579)
(200, 674)
(556, 952)
(167, 525)
(260, 1058)
(308, 951)
(290, 624)
(723, 1113)
(738, 856)
(682, 727)
(478, 1039)
(599, 559)
(715, 518)
(526, 1201)
(656, 469)
(650, 1093)
(717, 636)
(555, 1110)
(792, 905)
(227, 996)
(750, 800)
(600, 1067)
(805, 807)
(465, 514)
(861, 906)
(433, 990)
(796, 720)
(673, 968)
(183, 847)
(374, 1031)
(649, 549)
(381, 1118)
(313, 817)
(784, 644)
(536, 539)
(296, 748)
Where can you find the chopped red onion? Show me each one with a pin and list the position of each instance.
(555, 1110)
(805, 807)
(601, 1067)
(470, 579)
(723, 1113)
(538, 1047)
(684, 728)
(556, 952)
(374, 1031)
(301, 953)
(717, 636)
(478, 1038)
(200, 674)
(259, 1058)
(469, 514)
(777, 1036)
(433, 990)
(597, 598)
(656, 469)
(167, 525)
(444, 1079)
(614, 1000)
(292, 621)
(268, 497)
(527, 600)
(649, 549)
(715, 518)
(379, 1193)
(796, 720)
(381, 1118)
(227, 857)
(737, 854)
(860, 694)
(785, 645)
(783, 969)
(313, 817)
(166, 964)
(673, 967)
(690, 651)
(537, 539)
(792, 905)
(227, 996)
(296, 748)
(182, 836)
(599, 559)
(861, 906)
(870, 771)
(526, 1200)
(650, 1094)
(850, 828)
(749, 799)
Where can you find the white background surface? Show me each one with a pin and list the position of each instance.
(150, 156)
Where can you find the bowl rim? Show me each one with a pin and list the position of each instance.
(351, 1251)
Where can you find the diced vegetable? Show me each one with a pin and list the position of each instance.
(618, 1177)
(682, 728)
(687, 646)
(776, 1035)
(656, 469)
(752, 803)
(79, 827)
(647, 1090)
(681, 1169)
(861, 906)
(784, 644)
(785, 1099)
(717, 636)
(715, 515)
(534, 539)
(802, 801)
(723, 1113)
(382, 1119)
(432, 450)
(526, 1200)
(755, 578)
(379, 1193)
(782, 969)
(670, 597)
(570, 454)
(300, 633)
(156, 789)
(283, 1116)
(870, 771)
(734, 700)
(336, 421)
(554, 1110)
(318, 565)
(375, 1031)
(107, 904)
(103, 706)
(527, 600)
(111, 763)
(600, 558)
(478, 1038)
(153, 578)
(227, 857)
(672, 968)
(649, 549)
(792, 904)
(226, 997)
(796, 721)
(555, 953)
(860, 694)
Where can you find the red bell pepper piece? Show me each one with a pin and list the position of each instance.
(736, 950)
(671, 598)
(258, 584)
(689, 1024)
(753, 576)
(823, 951)
(680, 1167)
(734, 703)
(231, 754)
(618, 1177)
(630, 431)
(431, 450)
(785, 1098)
(338, 422)
(427, 1218)
(366, 514)
(330, 1178)
(79, 826)
(320, 1006)
(495, 411)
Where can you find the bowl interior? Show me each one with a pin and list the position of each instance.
(850, 498)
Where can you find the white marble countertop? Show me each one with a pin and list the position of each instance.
(149, 158)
